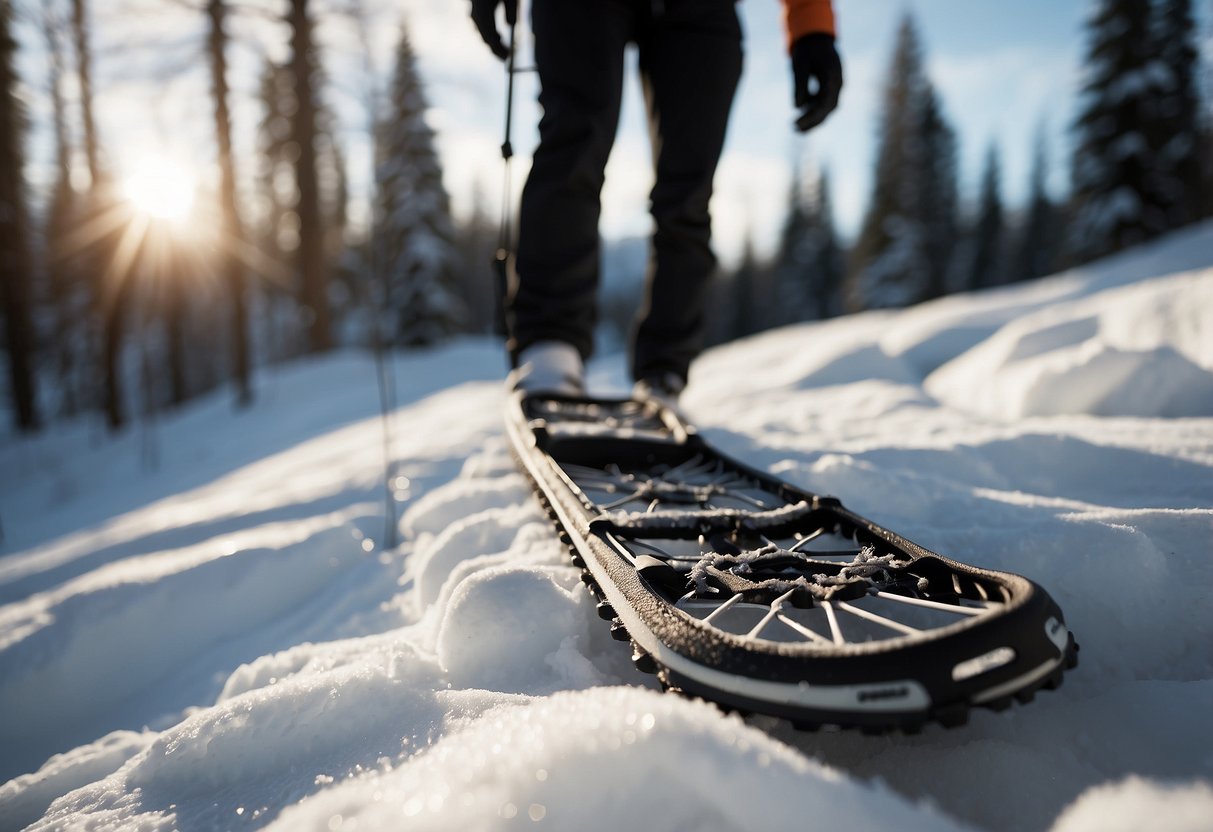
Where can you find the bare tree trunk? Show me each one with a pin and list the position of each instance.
(84, 65)
(62, 275)
(63, 150)
(114, 329)
(108, 304)
(14, 253)
(174, 324)
(311, 260)
(232, 230)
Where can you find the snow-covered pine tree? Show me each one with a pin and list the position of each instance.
(476, 243)
(986, 265)
(909, 231)
(277, 218)
(809, 266)
(415, 234)
(16, 295)
(1037, 244)
(277, 227)
(1176, 134)
(1116, 176)
(937, 190)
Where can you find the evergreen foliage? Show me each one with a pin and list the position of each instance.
(746, 301)
(475, 246)
(936, 182)
(909, 232)
(1120, 189)
(809, 268)
(16, 293)
(987, 265)
(415, 235)
(1176, 135)
(1038, 243)
(279, 196)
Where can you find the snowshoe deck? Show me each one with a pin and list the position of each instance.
(742, 589)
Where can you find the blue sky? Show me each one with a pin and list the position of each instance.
(1002, 69)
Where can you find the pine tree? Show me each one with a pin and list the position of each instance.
(232, 229)
(476, 243)
(809, 269)
(415, 235)
(67, 294)
(987, 266)
(15, 290)
(309, 254)
(278, 221)
(1176, 134)
(1117, 181)
(935, 182)
(275, 179)
(1039, 239)
(909, 232)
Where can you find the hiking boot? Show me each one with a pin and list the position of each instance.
(663, 389)
(549, 367)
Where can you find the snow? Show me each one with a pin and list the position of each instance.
(224, 641)
(1142, 350)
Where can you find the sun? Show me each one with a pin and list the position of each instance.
(161, 189)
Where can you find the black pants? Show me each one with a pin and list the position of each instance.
(690, 62)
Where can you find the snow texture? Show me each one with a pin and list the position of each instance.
(225, 642)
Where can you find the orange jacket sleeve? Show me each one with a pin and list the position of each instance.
(807, 16)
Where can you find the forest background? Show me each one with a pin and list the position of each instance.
(194, 188)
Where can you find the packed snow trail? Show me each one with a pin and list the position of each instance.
(224, 643)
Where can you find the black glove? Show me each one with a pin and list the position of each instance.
(814, 56)
(484, 15)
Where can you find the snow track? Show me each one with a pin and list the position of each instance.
(225, 643)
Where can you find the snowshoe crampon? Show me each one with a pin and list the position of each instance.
(740, 588)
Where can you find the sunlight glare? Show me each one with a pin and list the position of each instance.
(161, 189)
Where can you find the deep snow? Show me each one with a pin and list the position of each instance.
(224, 642)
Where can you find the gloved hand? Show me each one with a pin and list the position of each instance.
(484, 15)
(814, 56)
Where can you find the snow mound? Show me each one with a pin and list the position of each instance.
(1139, 804)
(931, 334)
(800, 357)
(259, 750)
(517, 630)
(479, 535)
(72, 654)
(611, 758)
(439, 509)
(1143, 350)
(24, 799)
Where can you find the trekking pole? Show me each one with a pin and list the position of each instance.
(505, 242)
(381, 341)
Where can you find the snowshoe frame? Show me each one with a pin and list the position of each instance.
(719, 579)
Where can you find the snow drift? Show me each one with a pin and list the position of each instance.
(225, 641)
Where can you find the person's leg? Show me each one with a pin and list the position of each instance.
(579, 51)
(690, 63)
